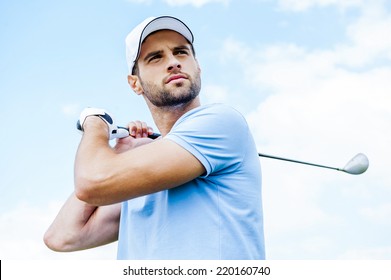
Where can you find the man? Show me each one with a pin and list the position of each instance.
(195, 193)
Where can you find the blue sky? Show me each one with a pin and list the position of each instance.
(312, 77)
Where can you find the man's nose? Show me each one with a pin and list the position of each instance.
(173, 64)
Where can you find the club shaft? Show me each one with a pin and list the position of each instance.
(298, 161)
(155, 135)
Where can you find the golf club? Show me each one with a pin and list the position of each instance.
(357, 165)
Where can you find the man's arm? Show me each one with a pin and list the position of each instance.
(80, 226)
(104, 177)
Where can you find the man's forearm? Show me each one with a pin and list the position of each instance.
(93, 157)
(80, 226)
(63, 233)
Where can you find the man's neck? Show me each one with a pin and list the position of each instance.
(165, 117)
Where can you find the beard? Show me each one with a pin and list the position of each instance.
(178, 96)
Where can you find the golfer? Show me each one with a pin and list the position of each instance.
(194, 193)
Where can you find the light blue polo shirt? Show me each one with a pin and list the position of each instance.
(216, 216)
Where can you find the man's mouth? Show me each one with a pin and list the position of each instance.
(175, 77)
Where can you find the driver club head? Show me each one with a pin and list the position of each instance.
(357, 165)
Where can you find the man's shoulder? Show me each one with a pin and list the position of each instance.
(212, 118)
(219, 107)
(219, 110)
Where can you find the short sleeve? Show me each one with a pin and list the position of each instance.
(214, 134)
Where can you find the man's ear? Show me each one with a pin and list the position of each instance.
(198, 65)
(135, 84)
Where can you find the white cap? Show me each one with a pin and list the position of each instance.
(136, 37)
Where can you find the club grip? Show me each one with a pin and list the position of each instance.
(152, 136)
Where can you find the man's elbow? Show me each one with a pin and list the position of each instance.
(87, 189)
(55, 243)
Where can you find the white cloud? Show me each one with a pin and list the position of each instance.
(379, 214)
(377, 253)
(302, 5)
(215, 94)
(368, 43)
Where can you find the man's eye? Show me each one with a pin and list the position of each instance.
(181, 52)
(155, 57)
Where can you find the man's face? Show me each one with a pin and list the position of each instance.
(168, 71)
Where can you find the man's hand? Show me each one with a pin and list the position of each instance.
(139, 129)
(113, 130)
(139, 132)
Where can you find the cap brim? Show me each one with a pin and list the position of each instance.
(165, 23)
